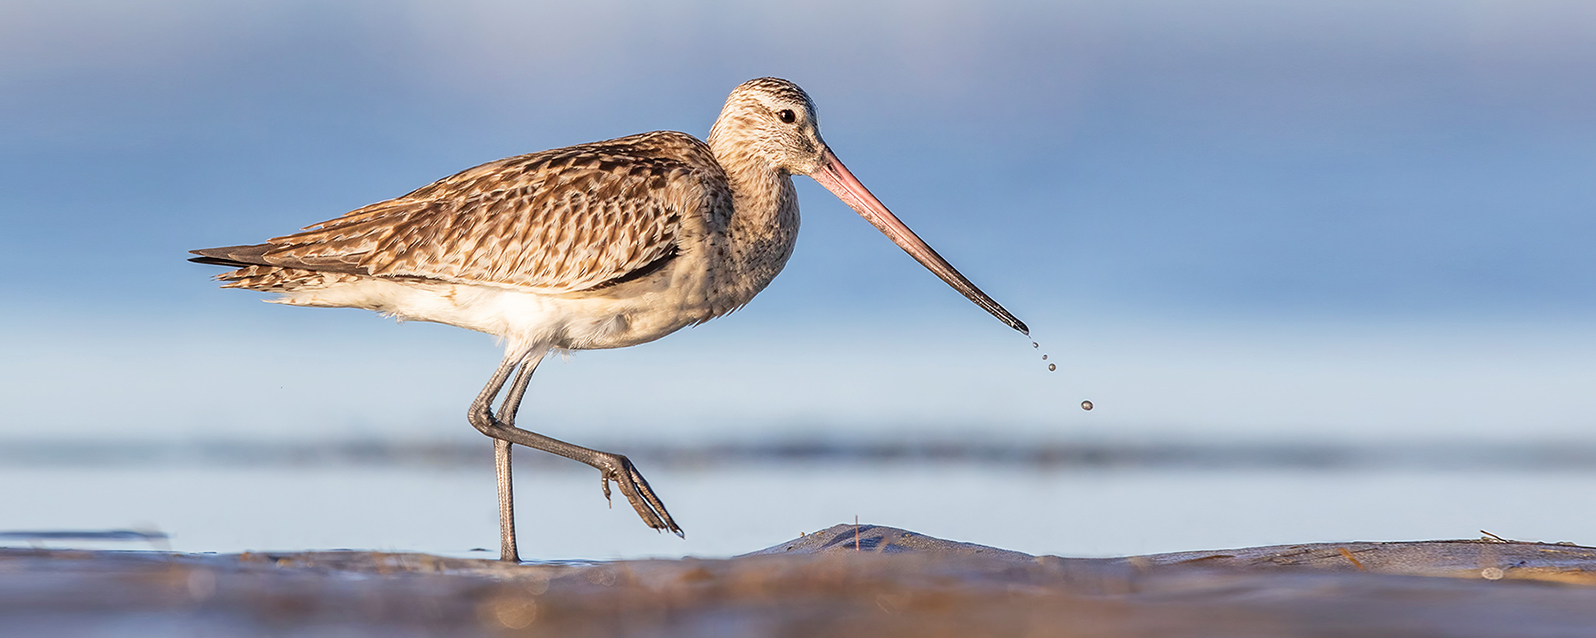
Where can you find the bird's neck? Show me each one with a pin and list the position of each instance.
(763, 195)
(764, 224)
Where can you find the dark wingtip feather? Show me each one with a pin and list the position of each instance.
(213, 261)
(232, 256)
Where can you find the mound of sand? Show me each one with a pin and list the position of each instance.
(844, 581)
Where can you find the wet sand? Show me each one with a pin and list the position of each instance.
(843, 581)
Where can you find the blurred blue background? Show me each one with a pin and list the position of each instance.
(1228, 220)
(1264, 218)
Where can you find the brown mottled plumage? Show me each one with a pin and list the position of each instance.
(600, 245)
(559, 221)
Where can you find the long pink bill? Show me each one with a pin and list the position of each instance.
(836, 178)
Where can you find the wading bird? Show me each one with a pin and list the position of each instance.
(602, 245)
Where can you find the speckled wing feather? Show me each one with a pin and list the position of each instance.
(557, 221)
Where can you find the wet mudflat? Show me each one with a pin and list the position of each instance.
(843, 581)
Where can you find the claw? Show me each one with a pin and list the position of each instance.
(638, 493)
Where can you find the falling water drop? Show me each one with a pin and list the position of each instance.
(1035, 344)
(1051, 367)
(1044, 357)
(1086, 405)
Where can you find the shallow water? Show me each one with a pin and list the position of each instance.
(733, 509)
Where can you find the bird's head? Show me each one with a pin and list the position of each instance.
(771, 123)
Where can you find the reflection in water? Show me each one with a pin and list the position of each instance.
(1003, 453)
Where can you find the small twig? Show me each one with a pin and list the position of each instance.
(1354, 559)
(1494, 537)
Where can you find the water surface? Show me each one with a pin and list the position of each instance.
(729, 510)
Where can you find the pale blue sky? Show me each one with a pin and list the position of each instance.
(1254, 219)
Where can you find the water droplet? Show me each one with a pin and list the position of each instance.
(1035, 344)
(1044, 357)
(1052, 367)
(1086, 405)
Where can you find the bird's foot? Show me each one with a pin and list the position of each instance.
(614, 467)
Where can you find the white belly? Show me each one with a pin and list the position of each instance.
(526, 320)
(691, 289)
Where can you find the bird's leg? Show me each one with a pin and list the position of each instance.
(501, 462)
(501, 471)
(611, 467)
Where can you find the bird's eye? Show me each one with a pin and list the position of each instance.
(787, 116)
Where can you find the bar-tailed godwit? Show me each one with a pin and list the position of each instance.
(600, 245)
